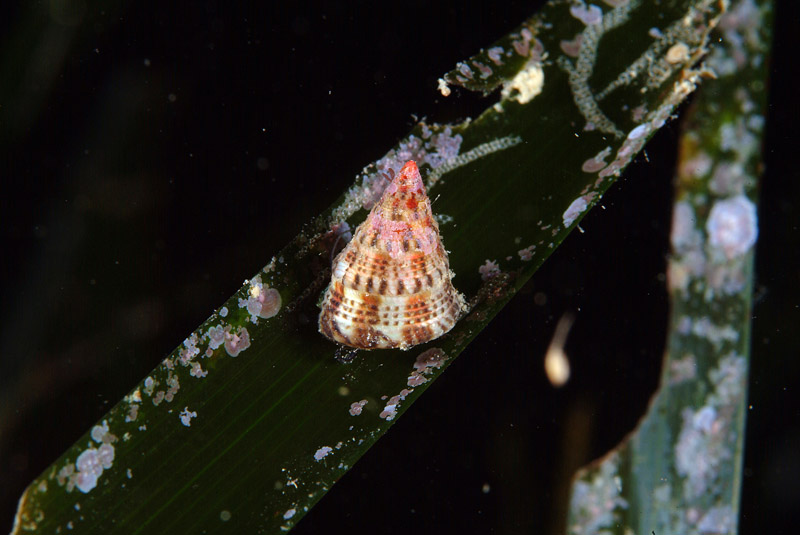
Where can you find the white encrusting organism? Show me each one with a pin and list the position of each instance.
(732, 226)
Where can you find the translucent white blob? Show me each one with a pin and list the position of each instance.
(733, 226)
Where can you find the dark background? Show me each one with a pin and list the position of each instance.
(155, 156)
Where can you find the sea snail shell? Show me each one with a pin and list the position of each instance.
(391, 285)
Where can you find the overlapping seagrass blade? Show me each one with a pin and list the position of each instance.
(391, 285)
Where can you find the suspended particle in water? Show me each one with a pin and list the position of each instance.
(556, 363)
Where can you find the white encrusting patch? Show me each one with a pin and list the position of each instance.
(89, 465)
(706, 438)
(575, 209)
(238, 342)
(489, 269)
(425, 363)
(262, 302)
(322, 453)
(186, 416)
(356, 407)
(390, 410)
(526, 254)
(597, 162)
(587, 15)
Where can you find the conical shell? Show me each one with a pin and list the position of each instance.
(390, 286)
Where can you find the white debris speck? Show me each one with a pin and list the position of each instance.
(575, 209)
(733, 226)
(322, 452)
(526, 84)
(186, 416)
(444, 89)
(289, 514)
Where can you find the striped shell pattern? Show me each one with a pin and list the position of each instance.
(391, 285)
